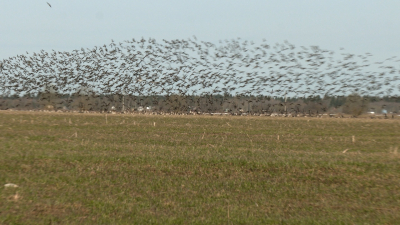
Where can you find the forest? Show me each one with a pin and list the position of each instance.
(87, 100)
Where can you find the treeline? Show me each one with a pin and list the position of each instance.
(86, 100)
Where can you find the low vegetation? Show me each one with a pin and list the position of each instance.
(85, 100)
(131, 169)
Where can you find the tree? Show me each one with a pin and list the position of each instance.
(177, 103)
(83, 99)
(48, 97)
(355, 105)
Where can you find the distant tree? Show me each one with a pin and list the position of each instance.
(337, 101)
(176, 103)
(83, 99)
(315, 107)
(355, 105)
(48, 97)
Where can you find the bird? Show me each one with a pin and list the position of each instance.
(49, 4)
(199, 72)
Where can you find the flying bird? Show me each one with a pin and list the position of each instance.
(49, 4)
(141, 68)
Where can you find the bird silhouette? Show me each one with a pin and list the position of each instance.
(193, 73)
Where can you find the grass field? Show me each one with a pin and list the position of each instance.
(125, 169)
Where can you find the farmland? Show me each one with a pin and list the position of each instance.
(136, 169)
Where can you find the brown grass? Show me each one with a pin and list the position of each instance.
(80, 168)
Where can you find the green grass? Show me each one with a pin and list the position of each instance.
(78, 169)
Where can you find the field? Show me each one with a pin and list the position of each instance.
(131, 169)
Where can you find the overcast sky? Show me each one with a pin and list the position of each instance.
(359, 26)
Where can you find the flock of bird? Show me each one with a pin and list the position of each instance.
(189, 67)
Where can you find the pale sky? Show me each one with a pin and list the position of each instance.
(359, 26)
